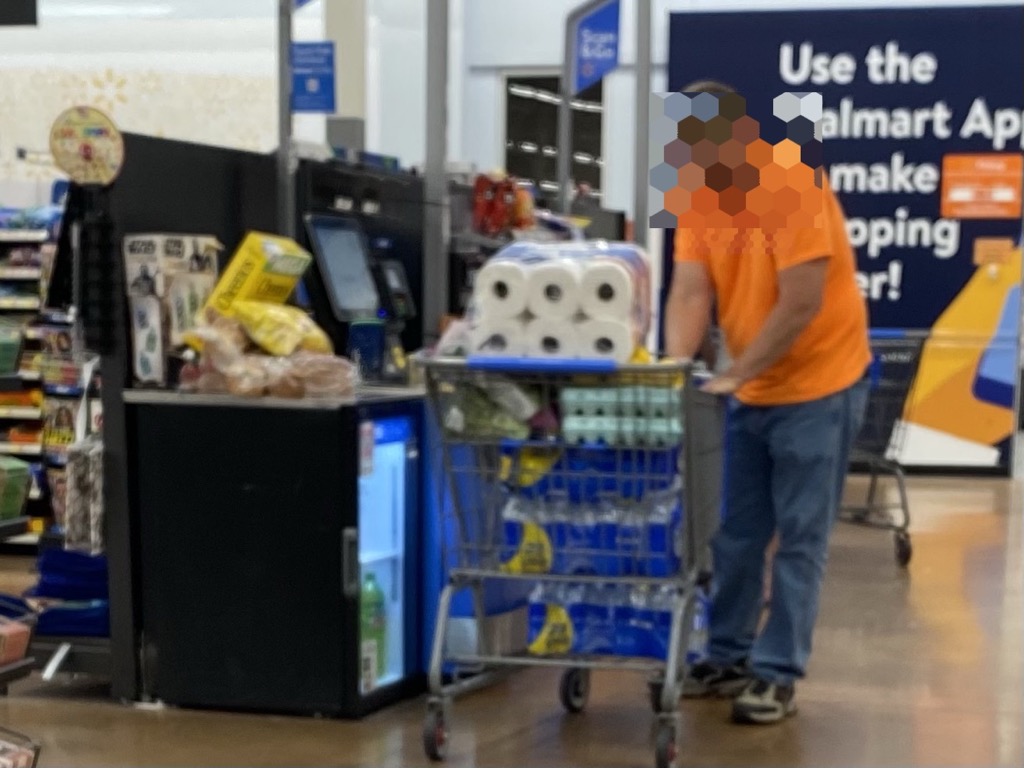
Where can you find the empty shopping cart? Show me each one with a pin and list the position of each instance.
(596, 490)
(877, 449)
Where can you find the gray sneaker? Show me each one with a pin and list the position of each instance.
(764, 703)
(707, 679)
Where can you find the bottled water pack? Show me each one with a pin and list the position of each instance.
(608, 538)
(616, 620)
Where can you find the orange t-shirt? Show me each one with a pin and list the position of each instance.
(833, 352)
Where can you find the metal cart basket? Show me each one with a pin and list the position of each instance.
(17, 751)
(592, 489)
(880, 442)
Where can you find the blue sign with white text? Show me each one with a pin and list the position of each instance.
(313, 77)
(921, 137)
(597, 46)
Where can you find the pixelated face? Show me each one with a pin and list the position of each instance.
(711, 165)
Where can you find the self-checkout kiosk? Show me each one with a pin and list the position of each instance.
(359, 295)
(388, 207)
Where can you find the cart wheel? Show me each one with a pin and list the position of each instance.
(665, 750)
(574, 689)
(435, 733)
(904, 549)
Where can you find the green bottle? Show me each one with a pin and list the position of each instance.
(373, 631)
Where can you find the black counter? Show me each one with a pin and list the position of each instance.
(243, 508)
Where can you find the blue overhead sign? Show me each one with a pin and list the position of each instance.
(597, 46)
(300, 3)
(313, 78)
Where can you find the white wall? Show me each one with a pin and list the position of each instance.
(396, 50)
(396, 85)
(195, 70)
(528, 34)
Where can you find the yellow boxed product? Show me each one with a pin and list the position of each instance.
(264, 268)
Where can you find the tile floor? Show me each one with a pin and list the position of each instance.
(918, 668)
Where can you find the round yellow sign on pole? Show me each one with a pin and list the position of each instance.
(87, 146)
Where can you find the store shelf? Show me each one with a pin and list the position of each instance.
(21, 449)
(15, 527)
(24, 540)
(20, 412)
(472, 242)
(372, 558)
(63, 390)
(20, 303)
(34, 334)
(57, 317)
(30, 375)
(18, 236)
(20, 273)
(78, 655)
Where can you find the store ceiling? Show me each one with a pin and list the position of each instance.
(155, 9)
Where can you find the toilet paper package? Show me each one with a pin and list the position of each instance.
(562, 300)
(549, 338)
(553, 288)
(500, 289)
(497, 337)
(615, 285)
(607, 339)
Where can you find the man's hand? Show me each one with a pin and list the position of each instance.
(722, 385)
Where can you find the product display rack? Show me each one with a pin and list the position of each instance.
(25, 260)
(72, 387)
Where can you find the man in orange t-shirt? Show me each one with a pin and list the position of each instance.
(795, 325)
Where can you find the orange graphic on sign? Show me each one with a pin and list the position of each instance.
(982, 186)
(992, 250)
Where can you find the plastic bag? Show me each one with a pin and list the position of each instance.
(281, 330)
(220, 350)
(282, 380)
(324, 375)
(248, 377)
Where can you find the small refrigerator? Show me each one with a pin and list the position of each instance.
(279, 552)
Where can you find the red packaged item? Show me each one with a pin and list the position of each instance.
(483, 195)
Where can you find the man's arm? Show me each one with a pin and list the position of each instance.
(688, 310)
(801, 289)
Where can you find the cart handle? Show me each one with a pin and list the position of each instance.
(531, 365)
(583, 366)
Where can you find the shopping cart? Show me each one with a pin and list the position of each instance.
(17, 751)
(877, 449)
(594, 488)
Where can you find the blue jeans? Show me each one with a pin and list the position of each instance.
(785, 471)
